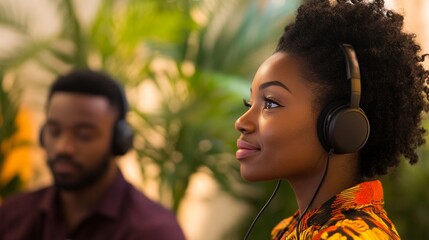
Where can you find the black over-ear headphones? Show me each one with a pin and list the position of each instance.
(344, 127)
(122, 139)
(122, 133)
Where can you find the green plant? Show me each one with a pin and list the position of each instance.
(8, 113)
(192, 123)
(198, 107)
(407, 201)
(210, 51)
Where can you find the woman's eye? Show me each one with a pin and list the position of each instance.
(270, 104)
(247, 103)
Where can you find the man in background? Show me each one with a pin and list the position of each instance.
(85, 130)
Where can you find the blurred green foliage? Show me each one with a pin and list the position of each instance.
(407, 196)
(211, 50)
(8, 113)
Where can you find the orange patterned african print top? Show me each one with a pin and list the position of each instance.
(355, 213)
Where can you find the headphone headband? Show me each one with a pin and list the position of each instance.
(353, 74)
(123, 104)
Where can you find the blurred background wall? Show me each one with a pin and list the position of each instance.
(186, 65)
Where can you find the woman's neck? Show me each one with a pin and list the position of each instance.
(342, 173)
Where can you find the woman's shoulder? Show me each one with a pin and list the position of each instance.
(359, 225)
(285, 226)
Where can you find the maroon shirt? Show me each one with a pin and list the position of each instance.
(123, 213)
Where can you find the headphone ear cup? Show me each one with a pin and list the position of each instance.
(343, 129)
(122, 138)
(321, 125)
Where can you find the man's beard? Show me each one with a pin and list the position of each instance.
(86, 178)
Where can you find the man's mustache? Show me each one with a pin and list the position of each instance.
(64, 159)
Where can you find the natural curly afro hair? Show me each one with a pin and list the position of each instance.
(394, 81)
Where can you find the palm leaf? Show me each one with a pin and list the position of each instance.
(240, 33)
(11, 18)
(22, 53)
(72, 30)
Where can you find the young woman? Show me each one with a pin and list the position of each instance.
(338, 104)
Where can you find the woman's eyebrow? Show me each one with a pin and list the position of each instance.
(273, 83)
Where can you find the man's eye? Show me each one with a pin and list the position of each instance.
(53, 132)
(84, 135)
(247, 103)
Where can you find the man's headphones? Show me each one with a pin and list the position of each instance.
(122, 139)
(123, 135)
(341, 126)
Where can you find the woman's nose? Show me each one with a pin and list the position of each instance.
(244, 124)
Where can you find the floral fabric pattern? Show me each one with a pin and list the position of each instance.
(355, 213)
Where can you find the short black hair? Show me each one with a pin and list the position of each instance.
(394, 90)
(86, 81)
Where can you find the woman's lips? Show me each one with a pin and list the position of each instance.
(245, 149)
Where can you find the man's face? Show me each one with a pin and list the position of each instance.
(77, 138)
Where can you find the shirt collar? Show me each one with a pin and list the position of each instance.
(356, 197)
(368, 193)
(113, 199)
(109, 206)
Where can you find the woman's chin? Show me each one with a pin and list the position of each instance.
(252, 176)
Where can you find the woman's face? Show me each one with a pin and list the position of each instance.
(279, 130)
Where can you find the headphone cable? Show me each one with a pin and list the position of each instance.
(262, 209)
(315, 193)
